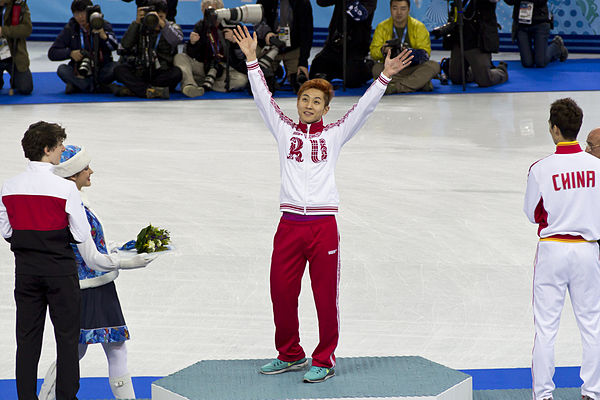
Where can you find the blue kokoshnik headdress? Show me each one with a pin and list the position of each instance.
(73, 160)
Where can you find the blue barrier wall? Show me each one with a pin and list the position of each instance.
(577, 20)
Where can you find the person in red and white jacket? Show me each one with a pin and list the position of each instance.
(562, 197)
(40, 215)
(307, 231)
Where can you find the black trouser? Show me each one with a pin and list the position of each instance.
(138, 82)
(22, 82)
(61, 294)
(329, 62)
(482, 69)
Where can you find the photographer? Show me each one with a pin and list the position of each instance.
(481, 39)
(150, 44)
(87, 71)
(398, 32)
(328, 63)
(287, 25)
(14, 29)
(210, 50)
(531, 27)
(171, 7)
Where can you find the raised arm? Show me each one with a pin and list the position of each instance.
(358, 114)
(269, 110)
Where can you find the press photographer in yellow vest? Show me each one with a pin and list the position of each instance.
(396, 33)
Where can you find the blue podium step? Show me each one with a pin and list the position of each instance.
(412, 378)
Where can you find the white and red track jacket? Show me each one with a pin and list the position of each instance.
(563, 194)
(308, 154)
(40, 214)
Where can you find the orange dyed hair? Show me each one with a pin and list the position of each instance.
(319, 84)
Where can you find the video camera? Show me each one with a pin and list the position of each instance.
(94, 16)
(85, 67)
(248, 14)
(448, 27)
(396, 47)
(269, 52)
(150, 21)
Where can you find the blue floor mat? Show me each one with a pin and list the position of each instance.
(572, 75)
(488, 384)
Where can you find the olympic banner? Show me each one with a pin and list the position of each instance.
(579, 17)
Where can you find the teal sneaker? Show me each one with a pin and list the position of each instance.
(278, 367)
(318, 374)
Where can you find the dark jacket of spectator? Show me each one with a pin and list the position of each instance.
(480, 28)
(540, 11)
(203, 52)
(359, 32)
(69, 39)
(166, 48)
(301, 29)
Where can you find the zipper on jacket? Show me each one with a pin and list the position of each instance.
(306, 168)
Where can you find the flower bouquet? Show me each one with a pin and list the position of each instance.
(152, 239)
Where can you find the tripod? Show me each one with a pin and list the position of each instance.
(460, 21)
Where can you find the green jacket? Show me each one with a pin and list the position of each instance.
(17, 34)
(417, 34)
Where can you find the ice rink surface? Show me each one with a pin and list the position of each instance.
(437, 255)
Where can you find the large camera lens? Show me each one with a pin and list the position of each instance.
(96, 20)
(94, 16)
(443, 30)
(265, 61)
(85, 67)
(150, 21)
(209, 80)
(248, 14)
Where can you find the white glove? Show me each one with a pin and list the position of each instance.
(112, 247)
(137, 261)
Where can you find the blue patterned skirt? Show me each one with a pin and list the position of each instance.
(102, 320)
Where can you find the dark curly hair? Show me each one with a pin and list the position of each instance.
(160, 5)
(80, 5)
(40, 136)
(567, 115)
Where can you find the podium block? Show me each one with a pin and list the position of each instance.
(372, 378)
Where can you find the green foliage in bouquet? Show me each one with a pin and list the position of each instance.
(152, 239)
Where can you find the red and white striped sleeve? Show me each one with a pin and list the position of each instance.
(274, 118)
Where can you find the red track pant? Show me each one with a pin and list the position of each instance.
(297, 242)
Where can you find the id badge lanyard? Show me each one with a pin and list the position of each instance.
(156, 62)
(283, 32)
(81, 36)
(525, 12)
(404, 36)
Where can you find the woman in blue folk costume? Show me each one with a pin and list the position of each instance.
(102, 320)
